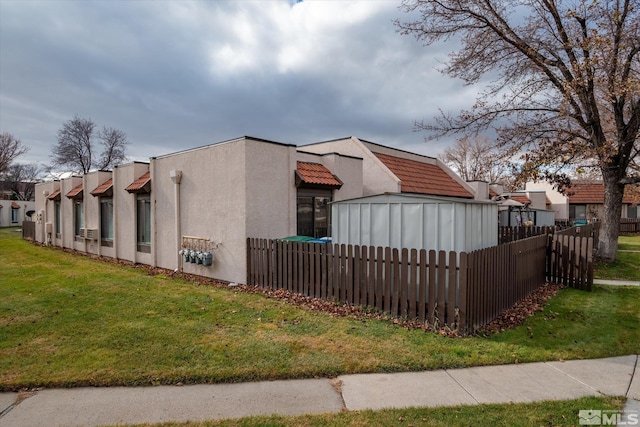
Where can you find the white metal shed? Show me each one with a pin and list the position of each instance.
(400, 220)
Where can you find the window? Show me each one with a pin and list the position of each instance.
(313, 213)
(14, 215)
(58, 218)
(632, 212)
(106, 221)
(578, 211)
(78, 216)
(144, 223)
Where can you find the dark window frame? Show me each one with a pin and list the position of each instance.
(317, 227)
(106, 238)
(143, 222)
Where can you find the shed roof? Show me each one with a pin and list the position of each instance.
(423, 178)
(521, 198)
(316, 174)
(413, 198)
(141, 185)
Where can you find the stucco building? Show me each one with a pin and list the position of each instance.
(211, 199)
(584, 200)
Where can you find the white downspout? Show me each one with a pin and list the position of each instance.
(84, 210)
(115, 198)
(176, 177)
(45, 240)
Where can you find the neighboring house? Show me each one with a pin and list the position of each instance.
(14, 212)
(584, 200)
(212, 198)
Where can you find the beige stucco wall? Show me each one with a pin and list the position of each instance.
(44, 208)
(92, 211)
(347, 168)
(125, 245)
(124, 213)
(538, 199)
(212, 194)
(376, 177)
(5, 211)
(67, 237)
(559, 202)
(228, 192)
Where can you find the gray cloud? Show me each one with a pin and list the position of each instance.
(175, 75)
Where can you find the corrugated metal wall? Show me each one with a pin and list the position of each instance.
(400, 221)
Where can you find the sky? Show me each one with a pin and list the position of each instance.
(180, 74)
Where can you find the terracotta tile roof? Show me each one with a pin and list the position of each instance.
(141, 185)
(423, 178)
(14, 205)
(104, 189)
(55, 195)
(76, 192)
(315, 174)
(592, 192)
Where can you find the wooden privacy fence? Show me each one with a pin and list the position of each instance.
(417, 285)
(511, 234)
(629, 225)
(462, 291)
(570, 261)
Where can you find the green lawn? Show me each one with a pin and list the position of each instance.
(556, 413)
(68, 320)
(627, 264)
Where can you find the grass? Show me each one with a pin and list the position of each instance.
(627, 264)
(67, 320)
(549, 413)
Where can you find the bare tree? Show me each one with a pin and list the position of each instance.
(477, 159)
(10, 149)
(20, 179)
(566, 84)
(78, 143)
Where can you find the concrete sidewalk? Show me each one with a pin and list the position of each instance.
(616, 282)
(526, 382)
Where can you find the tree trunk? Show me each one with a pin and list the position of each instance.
(609, 230)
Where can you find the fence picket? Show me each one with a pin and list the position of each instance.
(379, 278)
(404, 276)
(395, 292)
(442, 283)
(413, 284)
(431, 299)
(372, 280)
(422, 289)
(387, 280)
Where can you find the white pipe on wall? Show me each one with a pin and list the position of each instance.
(176, 177)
